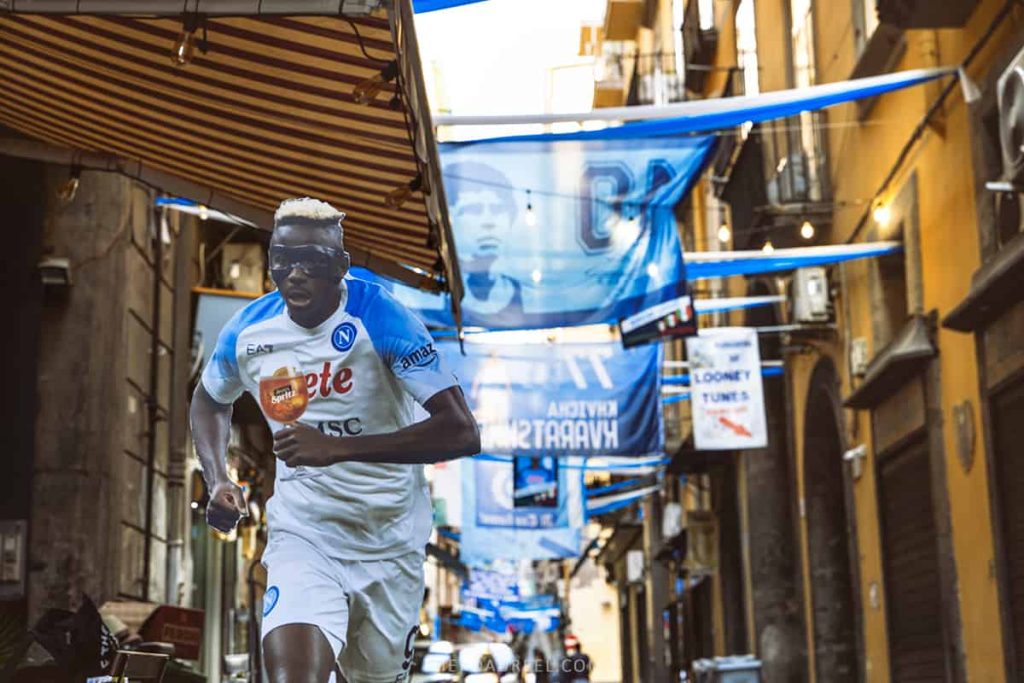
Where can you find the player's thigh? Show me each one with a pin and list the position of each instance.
(298, 653)
(305, 588)
(385, 600)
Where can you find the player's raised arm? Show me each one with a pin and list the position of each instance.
(450, 432)
(406, 348)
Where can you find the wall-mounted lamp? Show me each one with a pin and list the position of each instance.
(69, 190)
(882, 215)
(185, 47)
(55, 272)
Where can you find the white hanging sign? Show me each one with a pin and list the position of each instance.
(727, 397)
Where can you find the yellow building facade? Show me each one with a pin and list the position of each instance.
(899, 420)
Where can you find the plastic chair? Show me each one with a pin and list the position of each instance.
(138, 667)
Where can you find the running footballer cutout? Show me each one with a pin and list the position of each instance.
(337, 366)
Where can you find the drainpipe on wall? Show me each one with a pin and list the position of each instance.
(177, 475)
(152, 400)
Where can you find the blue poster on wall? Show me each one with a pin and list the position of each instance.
(562, 399)
(553, 234)
(493, 528)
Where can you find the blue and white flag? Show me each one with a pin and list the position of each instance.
(562, 399)
(493, 528)
(562, 234)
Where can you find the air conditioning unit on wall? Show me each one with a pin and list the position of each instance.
(1009, 187)
(810, 296)
(1010, 92)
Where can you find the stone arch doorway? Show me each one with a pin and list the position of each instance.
(829, 531)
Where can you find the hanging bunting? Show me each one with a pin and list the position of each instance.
(706, 115)
(555, 235)
(562, 399)
(708, 264)
(424, 6)
(493, 528)
(536, 481)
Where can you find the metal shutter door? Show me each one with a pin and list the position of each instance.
(1008, 435)
(913, 598)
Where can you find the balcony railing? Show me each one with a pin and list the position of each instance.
(796, 167)
(908, 14)
(699, 46)
(652, 77)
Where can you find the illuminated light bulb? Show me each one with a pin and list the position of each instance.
(185, 48)
(398, 196)
(536, 276)
(204, 213)
(652, 269)
(807, 230)
(882, 214)
(724, 233)
(768, 247)
(235, 271)
(368, 89)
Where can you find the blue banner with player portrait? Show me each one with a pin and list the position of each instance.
(539, 400)
(494, 528)
(553, 234)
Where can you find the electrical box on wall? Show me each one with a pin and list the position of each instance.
(858, 356)
(13, 549)
(244, 266)
(635, 566)
(671, 520)
(810, 296)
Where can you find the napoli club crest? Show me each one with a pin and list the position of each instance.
(344, 336)
(270, 599)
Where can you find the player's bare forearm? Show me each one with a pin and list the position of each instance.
(450, 432)
(211, 431)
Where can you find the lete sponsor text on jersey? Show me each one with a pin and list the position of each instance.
(325, 382)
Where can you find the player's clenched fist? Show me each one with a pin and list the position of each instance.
(299, 444)
(226, 506)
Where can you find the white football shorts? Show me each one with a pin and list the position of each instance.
(367, 610)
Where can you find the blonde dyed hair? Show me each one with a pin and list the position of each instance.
(307, 208)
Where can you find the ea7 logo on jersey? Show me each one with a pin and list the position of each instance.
(254, 349)
(344, 336)
(420, 356)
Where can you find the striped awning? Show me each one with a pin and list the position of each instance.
(266, 113)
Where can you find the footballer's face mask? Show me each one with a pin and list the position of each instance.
(315, 261)
(307, 264)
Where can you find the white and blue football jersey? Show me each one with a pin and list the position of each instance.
(365, 369)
